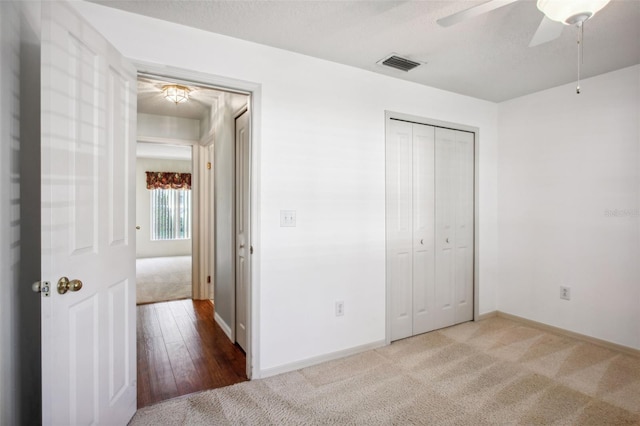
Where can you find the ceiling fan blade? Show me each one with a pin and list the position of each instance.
(547, 31)
(456, 18)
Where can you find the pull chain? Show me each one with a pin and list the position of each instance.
(580, 52)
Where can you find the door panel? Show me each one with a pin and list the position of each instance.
(446, 198)
(399, 227)
(454, 226)
(242, 226)
(464, 225)
(118, 92)
(83, 363)
(88, 135)
(423, 228)
(118, 339)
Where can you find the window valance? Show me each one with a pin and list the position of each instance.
(168, 180)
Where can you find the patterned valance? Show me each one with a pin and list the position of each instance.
(168, 180)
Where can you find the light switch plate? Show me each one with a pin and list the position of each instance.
(287, 218)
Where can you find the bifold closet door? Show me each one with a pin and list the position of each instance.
(410, 227)
(423, 241)
(454, 160)
(430, 208)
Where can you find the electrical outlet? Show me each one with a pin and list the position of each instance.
(339, 309)
(565, 293)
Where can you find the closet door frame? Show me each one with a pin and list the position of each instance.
(476, 224)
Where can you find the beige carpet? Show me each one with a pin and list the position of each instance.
(495, 371)
(159, 279)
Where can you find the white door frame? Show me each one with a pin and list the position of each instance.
(254, 90)
(476, 223)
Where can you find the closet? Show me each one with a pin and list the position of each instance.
(429, 227)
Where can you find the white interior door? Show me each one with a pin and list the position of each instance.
(454, 227)
(410, 227)
(242, 228)
(464, 142)
(423, 228)
(399, 200)
(88, 220)
(429, 227)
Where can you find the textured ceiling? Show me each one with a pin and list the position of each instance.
(151, 100)
(487, 57)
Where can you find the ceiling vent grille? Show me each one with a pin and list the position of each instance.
(399, 63)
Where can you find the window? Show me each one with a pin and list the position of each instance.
(170, 214)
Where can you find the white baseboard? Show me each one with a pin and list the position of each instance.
(487, 315)
(578, 336)
(223, 325)
(297, 365)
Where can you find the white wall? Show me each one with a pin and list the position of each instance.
(20, 378)
(565, 161)
(321, 150)
(162, 128)
(144, 246)
(9, 217)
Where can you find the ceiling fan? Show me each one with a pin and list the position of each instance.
(557, 14)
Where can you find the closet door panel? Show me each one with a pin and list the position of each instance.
(445, 227)
(464, 142)
(423, 228)
(400, 227)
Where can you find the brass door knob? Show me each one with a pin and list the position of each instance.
(65, 285)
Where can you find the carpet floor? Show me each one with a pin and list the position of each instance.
(159, 279)
(495, 371)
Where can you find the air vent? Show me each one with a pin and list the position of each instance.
(399, 63)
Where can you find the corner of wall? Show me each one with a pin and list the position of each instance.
(568, 202)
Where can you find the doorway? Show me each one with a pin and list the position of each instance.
(163, 220)
(186, 343)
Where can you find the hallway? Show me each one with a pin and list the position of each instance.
(182, 350)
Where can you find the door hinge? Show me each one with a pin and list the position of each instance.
(208, 279)
(43, 287)
(250, 249)
(209, 165)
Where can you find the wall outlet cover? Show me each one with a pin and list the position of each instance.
(287, 218)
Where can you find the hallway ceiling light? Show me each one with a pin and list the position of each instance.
(176, 93)
(570, 12)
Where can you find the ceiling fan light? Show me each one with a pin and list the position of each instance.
(570, 12)
(176, 93)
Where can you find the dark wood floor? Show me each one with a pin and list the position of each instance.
(182, 350)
